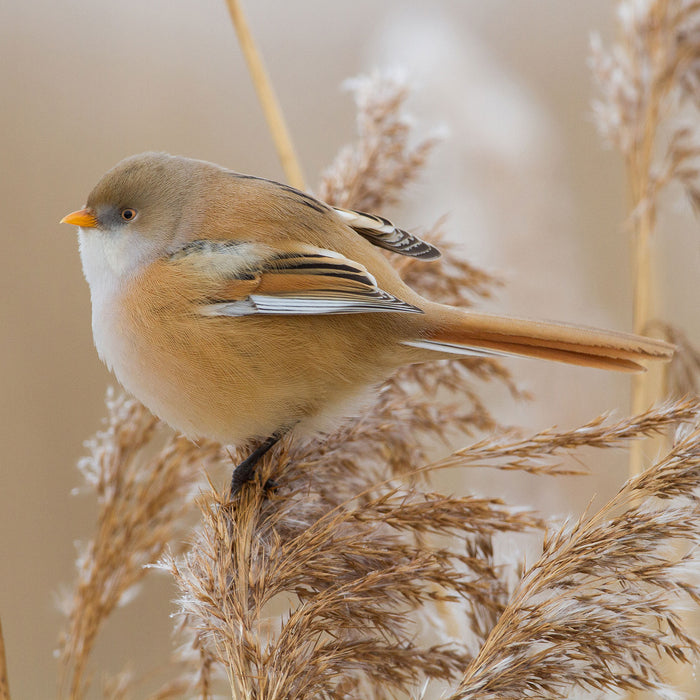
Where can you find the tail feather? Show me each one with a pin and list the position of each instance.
(467, 333)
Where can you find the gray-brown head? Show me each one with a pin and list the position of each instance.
(141, 209)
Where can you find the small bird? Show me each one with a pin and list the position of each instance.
(237, 308)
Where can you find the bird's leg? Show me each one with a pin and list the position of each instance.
(245, 470)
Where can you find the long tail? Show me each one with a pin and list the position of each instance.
(464, 333)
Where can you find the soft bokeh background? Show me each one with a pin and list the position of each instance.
(530, 191)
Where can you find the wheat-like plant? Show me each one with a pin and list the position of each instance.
(648, 108)
(601, 605)
(351, 576)
(142, 480)
(4, 681)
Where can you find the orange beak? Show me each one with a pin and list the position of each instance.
(83, 218)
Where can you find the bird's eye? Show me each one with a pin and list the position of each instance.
(128, 214)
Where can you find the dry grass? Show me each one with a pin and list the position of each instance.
(535, 454)
(354, 570)
(601, 605)
(648, 83)
(648, 109)
(266, 95)
(142, 490)
(4, 682)
(374, 171)
(684, 370)
(335, 583)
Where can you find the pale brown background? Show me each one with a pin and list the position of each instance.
(530, 190)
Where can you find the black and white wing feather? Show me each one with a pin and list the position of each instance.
(301, 280)
(381, 232)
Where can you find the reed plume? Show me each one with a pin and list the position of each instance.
(142, 481)
(355, 572)
(349, 555)
(373, 172)
(601, 605)
(340, 580)
(647, 108)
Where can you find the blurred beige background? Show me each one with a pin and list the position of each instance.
(530, 191)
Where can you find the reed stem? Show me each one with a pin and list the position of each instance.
(643, 297)
(266, 95)
(4, 683)
(639, 166)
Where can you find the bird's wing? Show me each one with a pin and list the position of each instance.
(381, 232)
(376, 229)
(294, 279)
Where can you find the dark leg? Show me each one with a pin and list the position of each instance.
(245, 470)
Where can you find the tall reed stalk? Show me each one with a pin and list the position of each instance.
(268, 99)
(4, 681)
(648, 84)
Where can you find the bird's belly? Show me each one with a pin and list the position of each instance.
(186, 387)
(235, 379)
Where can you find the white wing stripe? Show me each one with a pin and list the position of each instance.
(454, 349)
(302, 306)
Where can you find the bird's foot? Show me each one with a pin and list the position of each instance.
(246, 469)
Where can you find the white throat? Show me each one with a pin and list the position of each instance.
(102, 266)
(109, 260)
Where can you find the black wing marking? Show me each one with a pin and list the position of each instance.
(304, 281)
(381, 232)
